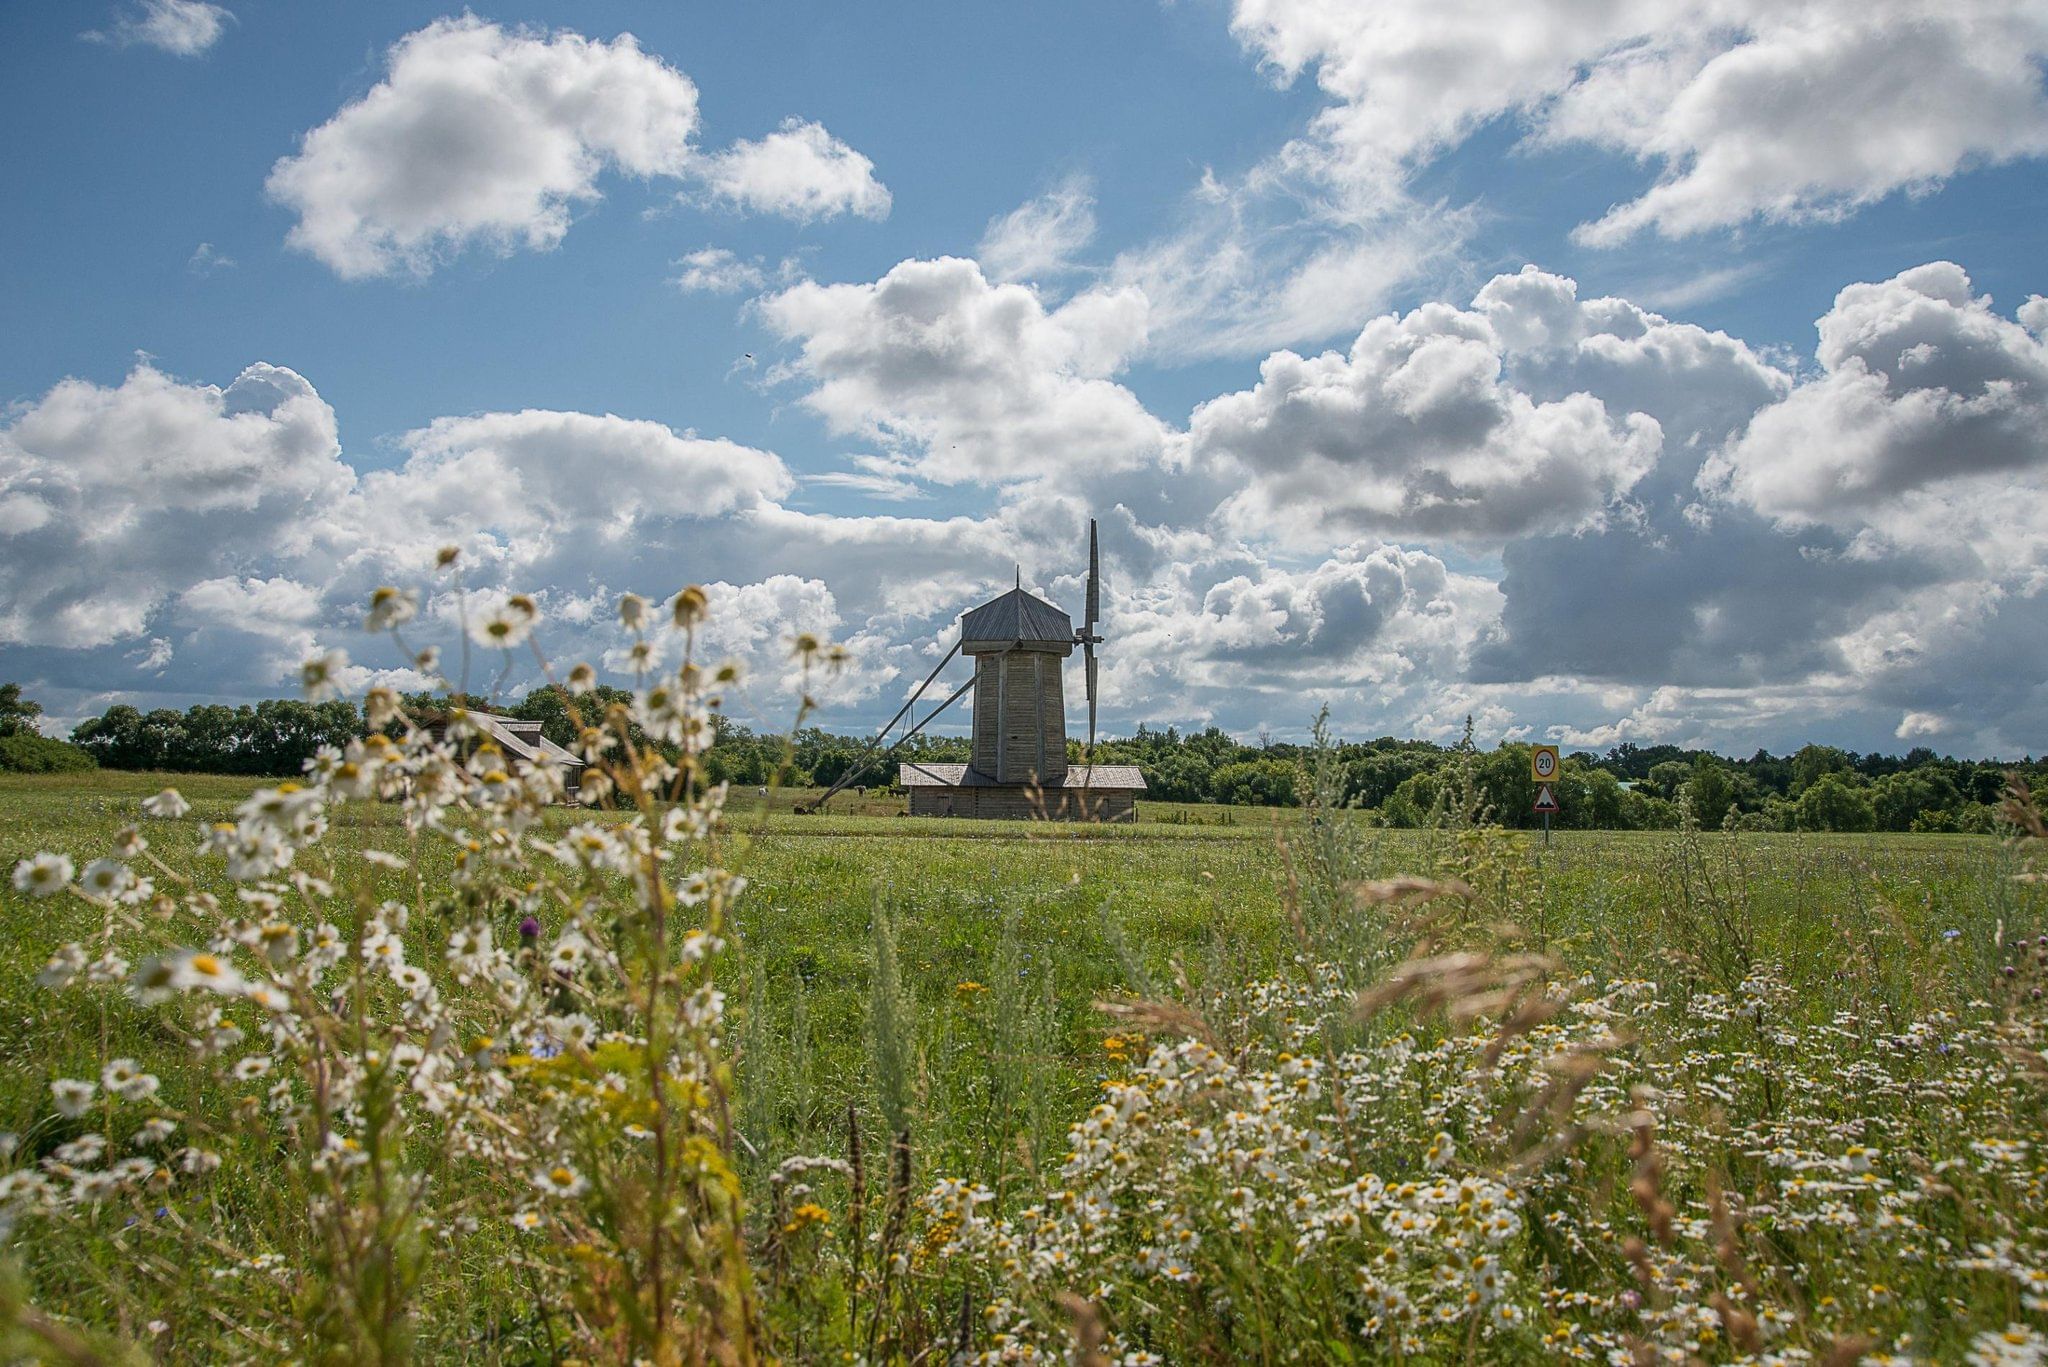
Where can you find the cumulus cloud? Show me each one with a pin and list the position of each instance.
(1928, 417)
(715, 270)
(1644, 590)
(975, 382)
(800, 171)
(479, 135)
(184, 28)
(1416, 431)
(1040, 238)
(114, 498)
(1748, 108)
(546, 483)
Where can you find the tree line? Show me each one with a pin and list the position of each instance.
(1403, 782)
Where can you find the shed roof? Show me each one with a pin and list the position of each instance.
(523, 740)
(963, 776)
(1016, 617)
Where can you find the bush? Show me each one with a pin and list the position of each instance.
(25, 753)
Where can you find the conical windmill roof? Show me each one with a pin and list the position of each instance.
(1017, 618)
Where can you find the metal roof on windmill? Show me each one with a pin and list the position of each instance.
(1017, 765)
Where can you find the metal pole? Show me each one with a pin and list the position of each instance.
(1546, 830)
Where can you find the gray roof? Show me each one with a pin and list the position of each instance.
(523, 740)
(1014, 617)
(961, 776)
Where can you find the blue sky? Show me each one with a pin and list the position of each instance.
(1244, 280)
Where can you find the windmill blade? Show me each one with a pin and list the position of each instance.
(1093, 612)
(1088, 653)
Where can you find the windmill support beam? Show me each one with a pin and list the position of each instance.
(897, 744)
(860, 760)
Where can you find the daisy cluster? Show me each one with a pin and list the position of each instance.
(507, 991)
(1646, 1175)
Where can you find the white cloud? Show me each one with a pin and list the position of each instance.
(1816, 110)
(1040, 238)
(206, 259)
(800, 171)
(116, 498)
(562, 477)
(185, 28)
(976, 382)
(714, 270)
(1249, 574)
(1415, 431)
(1750, 108)
(251, 604)
(1920, 725)
(480, 135)
(1929, 422)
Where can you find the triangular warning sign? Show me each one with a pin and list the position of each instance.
(1546, 801)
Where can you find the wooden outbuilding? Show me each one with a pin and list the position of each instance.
(521, 741)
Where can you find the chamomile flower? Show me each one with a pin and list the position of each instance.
(42, 874)
(320, 677)
(561, 1180)
(124, 1078)
(168, 805)
(72, 1096)
(391, 608)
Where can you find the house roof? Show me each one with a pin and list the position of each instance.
(1015, 618)
(522, 740)
(962, 776)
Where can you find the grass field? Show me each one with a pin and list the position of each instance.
(1004, 937)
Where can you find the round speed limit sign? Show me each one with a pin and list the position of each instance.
(1543, 762)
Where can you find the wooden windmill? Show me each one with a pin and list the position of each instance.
(1018, 760)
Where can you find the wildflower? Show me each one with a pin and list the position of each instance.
(2015, 1346)
(252, 1067)
(1441, 1151)
(575, 1031)
(689, 607)
(528, 1219)
(384, 859)
(569, 952)
(391, 608)
(633, 612)
(42, 874)
(124, 1078)
(62, 967)
(808, 1214)
(152, 1132)
(321, 675)
(184, 971)
(168, 805)
(508, 624)
(561, 1180)
(72, 1096)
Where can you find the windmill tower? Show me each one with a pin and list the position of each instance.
(1018, 767)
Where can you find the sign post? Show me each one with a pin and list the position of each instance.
(1543, 768)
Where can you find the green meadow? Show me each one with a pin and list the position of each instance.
(1003, 939)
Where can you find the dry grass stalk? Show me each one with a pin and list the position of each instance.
(1088, 1332)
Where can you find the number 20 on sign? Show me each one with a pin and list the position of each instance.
(1543, 762)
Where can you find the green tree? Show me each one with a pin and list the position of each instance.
(17, 714)
(1711, 790)
(1832, 803)
(1254, 783)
